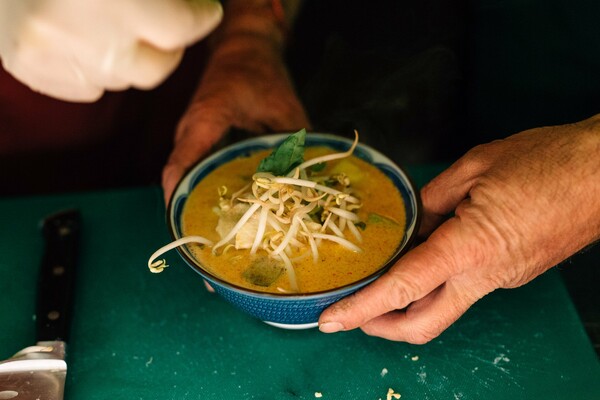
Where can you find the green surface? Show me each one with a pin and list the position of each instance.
(138, 335)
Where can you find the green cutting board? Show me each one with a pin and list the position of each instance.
(138, 335)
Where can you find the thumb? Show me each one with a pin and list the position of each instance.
(195, 138)
(425, 319)
(418, 273)
(424, 292)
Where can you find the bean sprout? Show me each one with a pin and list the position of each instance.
(286, 214)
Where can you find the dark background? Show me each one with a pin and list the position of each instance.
(425, 81)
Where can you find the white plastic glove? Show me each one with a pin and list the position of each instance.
(76, 49)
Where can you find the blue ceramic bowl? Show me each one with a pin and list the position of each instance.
(291, 311)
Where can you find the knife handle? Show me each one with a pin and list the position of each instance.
(57, 275)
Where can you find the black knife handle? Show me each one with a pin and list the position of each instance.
(57, 275)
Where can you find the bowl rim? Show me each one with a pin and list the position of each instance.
(272, 140)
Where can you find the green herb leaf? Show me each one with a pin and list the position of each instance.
(361, 225)
(318, 167)
(375, 218)
(288, 155)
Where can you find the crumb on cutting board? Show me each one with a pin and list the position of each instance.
(392, 395)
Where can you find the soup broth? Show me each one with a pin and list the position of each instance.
(382, 226)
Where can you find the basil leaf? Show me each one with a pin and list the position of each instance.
(289, 154)
(318, 167)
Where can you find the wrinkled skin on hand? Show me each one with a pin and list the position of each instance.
(522, 205)
(246, 87)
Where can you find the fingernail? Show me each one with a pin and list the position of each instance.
(331, 327)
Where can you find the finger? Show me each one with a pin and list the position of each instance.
(208, 287)
(443, 193)
(69, 88)
(414, 276)
(424, 319)
(58, 75)
(196, 134)
(140, 65)
(292, 118)
(102, 74)
(146, 67)
(171, 175)
(172, 24)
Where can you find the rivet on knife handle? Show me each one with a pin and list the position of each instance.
(57, 276)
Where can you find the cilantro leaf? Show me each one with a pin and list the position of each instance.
(288, 155)
(318, 167)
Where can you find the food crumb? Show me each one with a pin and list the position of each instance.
(501, 357)
(415, 358)
(318, 395)
(384, 372)
(391, 395)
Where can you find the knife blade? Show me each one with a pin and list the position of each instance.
(39, 372)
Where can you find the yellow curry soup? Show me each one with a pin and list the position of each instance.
(382, 216)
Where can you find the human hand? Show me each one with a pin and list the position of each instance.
(246, 85)
(521, 205)
(74, 50)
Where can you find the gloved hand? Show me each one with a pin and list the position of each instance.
(76, 49)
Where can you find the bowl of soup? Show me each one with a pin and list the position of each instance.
(284, 225)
